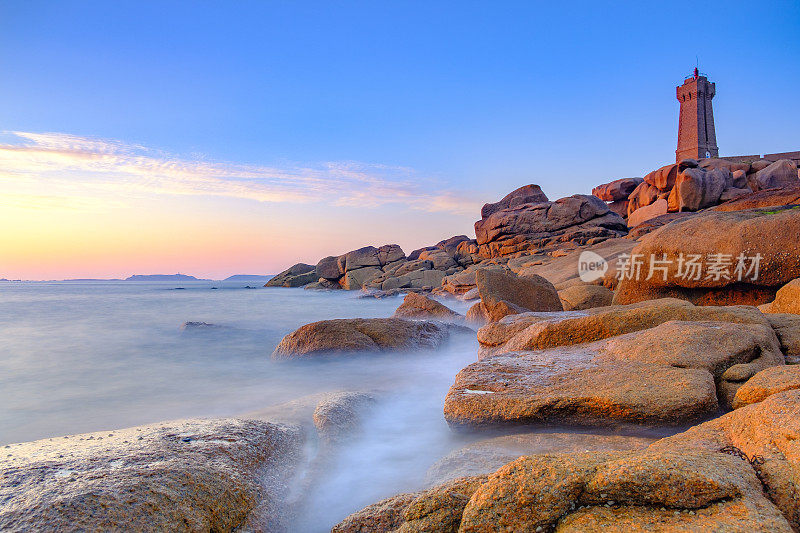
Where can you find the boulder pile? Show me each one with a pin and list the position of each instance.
(692, 185)
(385, 268)
(544, 225)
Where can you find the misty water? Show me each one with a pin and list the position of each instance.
(77, 357)
(89, 356)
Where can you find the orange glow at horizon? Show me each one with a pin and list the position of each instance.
(75, 207)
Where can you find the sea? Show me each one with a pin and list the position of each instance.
(88, 356)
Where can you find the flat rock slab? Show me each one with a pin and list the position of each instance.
(534, 331)
(190, 475)
(350, 335)
(677, 372)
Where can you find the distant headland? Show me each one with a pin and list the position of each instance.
(163, 277)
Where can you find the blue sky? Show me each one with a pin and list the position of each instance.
(464, 99)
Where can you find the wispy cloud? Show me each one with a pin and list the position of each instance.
(78, 170)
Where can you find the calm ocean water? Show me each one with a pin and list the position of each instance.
(89, 356)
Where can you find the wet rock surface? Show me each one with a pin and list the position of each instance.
(189, 475)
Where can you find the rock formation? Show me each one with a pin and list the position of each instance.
(692, 185)
(674, 373)
(351, 335)
(536, 226)
(766, 383)
(416, 306)
(766, 433)
(623, 491)
(538, 331)
(739, 257)
(294, 276)
(586, 492)
(189, 475)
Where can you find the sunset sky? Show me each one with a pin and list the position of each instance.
(216, 138)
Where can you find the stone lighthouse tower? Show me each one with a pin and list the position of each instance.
(696, 136)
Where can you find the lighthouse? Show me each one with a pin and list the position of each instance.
(696, 136)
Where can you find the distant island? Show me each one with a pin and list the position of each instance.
(248, 277)
(163, 277)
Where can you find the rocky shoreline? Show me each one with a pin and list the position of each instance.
(688, 326)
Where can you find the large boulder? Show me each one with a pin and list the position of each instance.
(354, 279)
(487, 455)
(713, 163)
(616, 190)
(481, 314)
(623, 491)
(578, 219)
(674, 373)
(464, 281)
(533, 293)
(348, 335)
(294, 276)
(452, 245)
(417, 306)
(696, 188)
(330, 268)
(766, 433)
(389, 254)
(782, 173)
(439, 258)
(740, 257)
(363, 257)
(537, 331)
(189, 475)
(644, 194)
(528, 194)
(340, 416)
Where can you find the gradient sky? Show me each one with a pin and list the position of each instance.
(215, 138)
